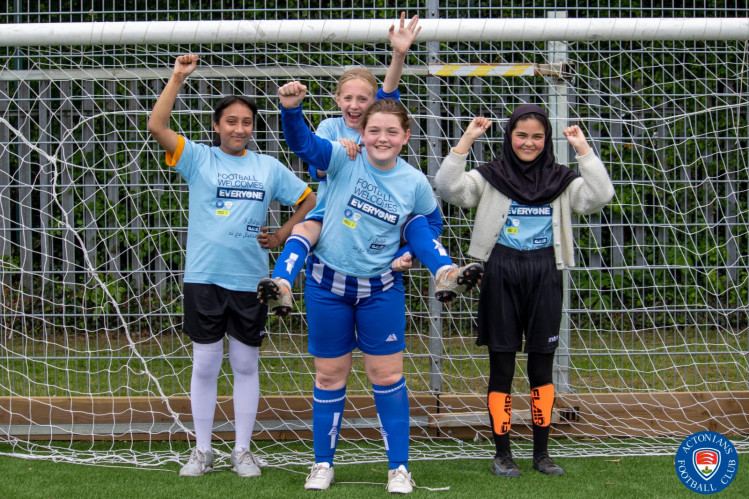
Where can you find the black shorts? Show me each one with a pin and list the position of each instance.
(212, 311)
(521, 294)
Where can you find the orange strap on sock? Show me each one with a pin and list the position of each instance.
(542, 400)
(500, 409)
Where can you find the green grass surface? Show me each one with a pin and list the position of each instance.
(586, 477)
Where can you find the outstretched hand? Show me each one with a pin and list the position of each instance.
(292, 94)
(402, 40)
(185, 64)
(576, 138)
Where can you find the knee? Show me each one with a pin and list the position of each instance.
(203, 370)
(207, 359)
(384, 376)
(540, 369)
(244, 368)
(331, 378)
(243, 358)
(387, 380)
(501, 371)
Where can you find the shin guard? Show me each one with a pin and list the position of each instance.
(542, 400)
(500, 412)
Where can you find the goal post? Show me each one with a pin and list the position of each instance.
(93, 230)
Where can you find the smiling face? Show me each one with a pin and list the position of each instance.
(528, 139)
(235, 128)
(354, 97)
(384, 137)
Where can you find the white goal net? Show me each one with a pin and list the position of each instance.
(93, 230)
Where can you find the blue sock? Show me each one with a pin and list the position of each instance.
(291, 260)
(425, 246)
(327, 413)
(393, 411)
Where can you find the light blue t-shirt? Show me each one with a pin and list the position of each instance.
(335, 128)
(527, 227)
(229, 198)
(330, 129)
(365, 209)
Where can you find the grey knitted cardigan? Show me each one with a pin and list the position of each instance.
(586, 194)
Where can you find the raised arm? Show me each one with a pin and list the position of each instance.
(594, 191)
(305, 144)
(158, 122)
(478, 126)
(576, 138)
(401, 42)
(452, 182)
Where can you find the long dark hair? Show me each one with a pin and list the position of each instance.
(218, 111)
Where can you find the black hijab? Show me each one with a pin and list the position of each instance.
(534, 182)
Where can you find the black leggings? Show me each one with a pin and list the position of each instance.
(502, 370)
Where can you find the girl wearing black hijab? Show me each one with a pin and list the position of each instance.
(523, 231)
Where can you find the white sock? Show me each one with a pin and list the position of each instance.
(244, 364)
(203, 389)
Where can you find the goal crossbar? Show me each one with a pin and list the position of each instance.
(370, 31)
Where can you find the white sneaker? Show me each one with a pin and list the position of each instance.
(320, 477)
(245, 463)
(199, 463)
(399, 481)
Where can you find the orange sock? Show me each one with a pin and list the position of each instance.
(500, 409)
(542, 400)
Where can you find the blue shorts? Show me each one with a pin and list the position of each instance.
(375, 324)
